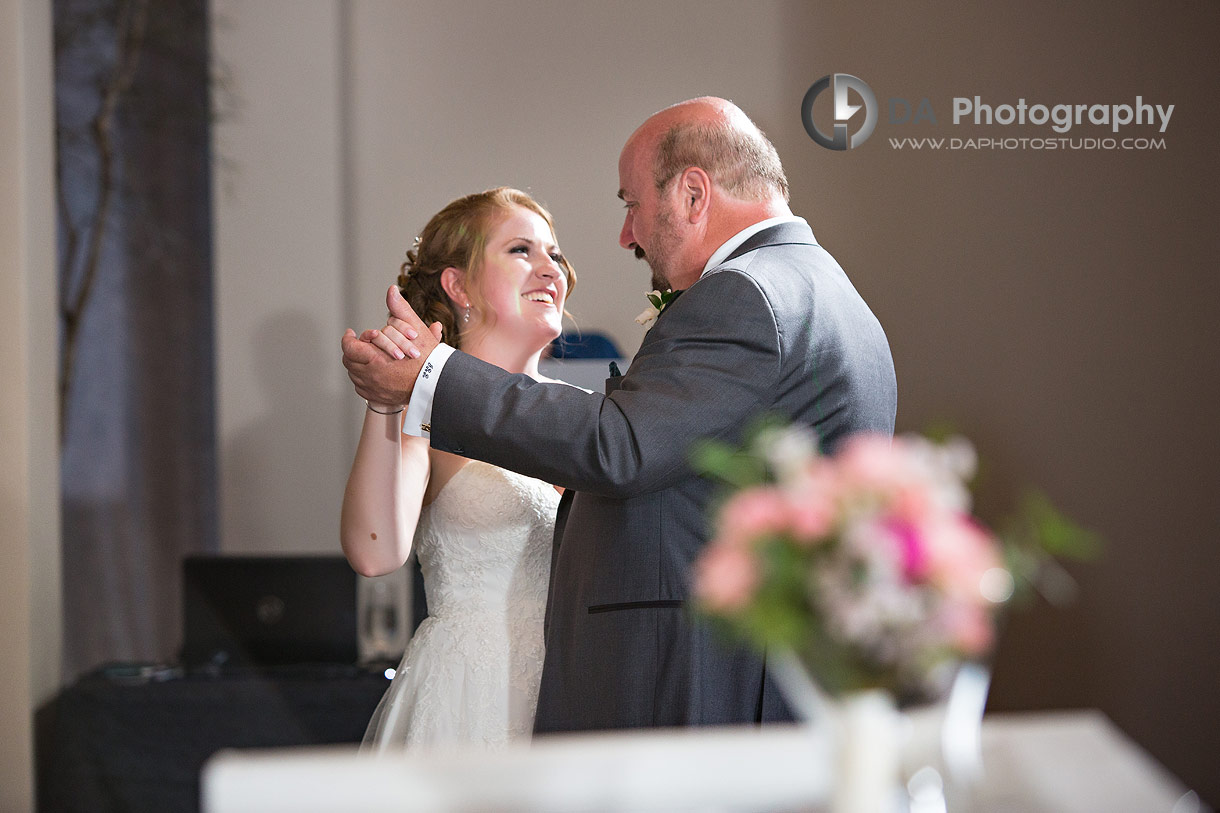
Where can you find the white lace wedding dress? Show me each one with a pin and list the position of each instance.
(471, 671)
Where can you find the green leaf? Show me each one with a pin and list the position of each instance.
(940, 431)
(1043, 527)
(719, 461)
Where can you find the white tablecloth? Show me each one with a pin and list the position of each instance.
(1061, 762)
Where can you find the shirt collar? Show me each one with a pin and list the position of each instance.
(729, 246)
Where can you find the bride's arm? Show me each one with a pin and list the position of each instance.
(384, 493)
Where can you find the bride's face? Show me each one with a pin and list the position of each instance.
(522, 280)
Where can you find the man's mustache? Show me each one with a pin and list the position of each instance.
(639, 253)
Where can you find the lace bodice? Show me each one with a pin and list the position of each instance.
(470, 674)
(485, 541)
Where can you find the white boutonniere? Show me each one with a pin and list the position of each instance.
(657, 301)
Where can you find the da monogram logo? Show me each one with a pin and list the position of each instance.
(844, 111)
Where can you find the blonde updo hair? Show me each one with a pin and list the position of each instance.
(456, 236)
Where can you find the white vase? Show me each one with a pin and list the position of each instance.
(867, 733)
(925, 758)
(942, 752)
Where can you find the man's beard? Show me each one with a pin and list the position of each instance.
(659, 283)
(661, 259)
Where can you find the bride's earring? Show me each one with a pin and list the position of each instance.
(466, 315)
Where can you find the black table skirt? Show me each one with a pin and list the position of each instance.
(111, 744)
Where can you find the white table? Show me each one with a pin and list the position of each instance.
(1061, 762)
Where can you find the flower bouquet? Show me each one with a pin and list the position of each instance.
(866, 568)
(867, 565)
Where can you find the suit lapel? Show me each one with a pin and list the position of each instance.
(561, 522)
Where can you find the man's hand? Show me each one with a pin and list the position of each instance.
(383, 365)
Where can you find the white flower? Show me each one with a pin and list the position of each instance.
(657, 301)
(959, 457)
(647, 316)
(788, 451)
(943, 468)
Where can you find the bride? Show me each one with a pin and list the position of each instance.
(486, 272)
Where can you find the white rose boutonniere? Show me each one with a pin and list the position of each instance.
(657, 302)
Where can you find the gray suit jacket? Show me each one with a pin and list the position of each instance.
(776, 328)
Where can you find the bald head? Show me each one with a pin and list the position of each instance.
(717, 136)
(692, 176)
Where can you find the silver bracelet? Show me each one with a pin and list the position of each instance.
(379, 412)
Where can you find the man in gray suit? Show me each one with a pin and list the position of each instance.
(767, 322)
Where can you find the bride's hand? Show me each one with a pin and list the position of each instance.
(393, 339)
(380, 374)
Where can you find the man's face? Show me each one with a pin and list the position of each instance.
(651, 224)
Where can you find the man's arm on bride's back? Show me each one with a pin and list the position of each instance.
(708, 366)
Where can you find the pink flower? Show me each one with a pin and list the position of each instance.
(753, 513)
(968, 626)
(911, 547)
(959, 553)
(811, 520)
(813, 503)
(914, 502)
(726, 576)
(871, 462)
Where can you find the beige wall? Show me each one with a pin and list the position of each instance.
(454, 97)
(343, 127)
(30, 614)
(280, 278)
(1056, 307)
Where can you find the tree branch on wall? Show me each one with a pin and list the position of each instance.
(80, 263)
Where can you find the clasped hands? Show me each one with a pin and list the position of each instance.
(383, 364)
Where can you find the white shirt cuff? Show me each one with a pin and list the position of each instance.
(418, 420)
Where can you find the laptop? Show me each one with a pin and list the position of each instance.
(268, 610)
